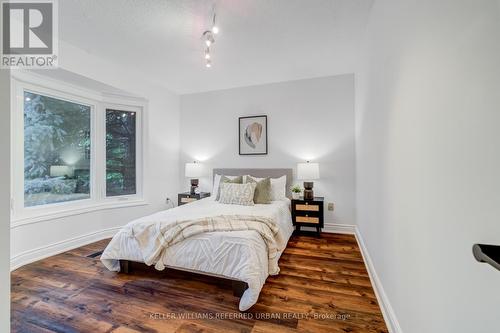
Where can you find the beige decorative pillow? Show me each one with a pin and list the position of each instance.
(262, 193)
(224, 179)
(237, 194)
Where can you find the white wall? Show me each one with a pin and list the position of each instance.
(4, 201)
(307, 119)
(162, 158)
(428, 159)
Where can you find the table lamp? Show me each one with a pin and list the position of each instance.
(194, 171)
(308, 172)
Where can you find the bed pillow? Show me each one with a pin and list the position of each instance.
(216, 184)
(227, 179)
(237, 194)
(262, 193)
(278, 187)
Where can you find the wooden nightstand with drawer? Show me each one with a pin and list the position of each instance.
(186, 197)
(308, 213)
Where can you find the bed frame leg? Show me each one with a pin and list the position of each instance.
(239, 288)
(124, 266)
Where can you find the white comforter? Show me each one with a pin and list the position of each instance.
(240, 255)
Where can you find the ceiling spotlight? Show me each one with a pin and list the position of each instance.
(209, 37)
(215, 28)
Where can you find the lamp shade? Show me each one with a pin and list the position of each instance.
(193, 170)
(307, 171)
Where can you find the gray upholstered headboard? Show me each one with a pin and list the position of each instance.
(260, 173)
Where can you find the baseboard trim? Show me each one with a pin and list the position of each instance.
(42, 252)
(339, 228)
(387, 310)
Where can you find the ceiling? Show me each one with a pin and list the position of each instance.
(260, 41)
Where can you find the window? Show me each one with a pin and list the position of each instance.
(120, 153)
(56, 150)
(74, 150)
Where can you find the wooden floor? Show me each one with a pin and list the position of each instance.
(323, 286)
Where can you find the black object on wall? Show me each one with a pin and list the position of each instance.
(487, 253)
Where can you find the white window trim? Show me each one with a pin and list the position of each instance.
(98, 102)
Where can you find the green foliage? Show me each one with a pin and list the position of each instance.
(56, 132)
(42, 133)
(114, 179)
(120, 152)
(296, 189)
(51, 127)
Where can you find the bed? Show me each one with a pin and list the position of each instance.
(241, 256)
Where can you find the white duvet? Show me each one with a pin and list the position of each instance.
(239, 255)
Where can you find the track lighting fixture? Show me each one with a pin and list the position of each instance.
(208, 38)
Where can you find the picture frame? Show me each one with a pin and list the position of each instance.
(252, 135)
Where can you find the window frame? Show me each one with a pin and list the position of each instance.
(98, 103)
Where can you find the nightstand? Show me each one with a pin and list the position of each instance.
(308, 213)
(187, 197)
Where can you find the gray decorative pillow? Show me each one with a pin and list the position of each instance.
(262, 193)
(224, 179)
(237, 194)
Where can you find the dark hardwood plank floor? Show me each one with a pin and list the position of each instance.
(323, 286)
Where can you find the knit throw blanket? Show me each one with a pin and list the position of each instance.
(154, 238)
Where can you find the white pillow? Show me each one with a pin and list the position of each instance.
(215, 187)
(278, 187)
(237, 194)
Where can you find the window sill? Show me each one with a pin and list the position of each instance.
(46, 216)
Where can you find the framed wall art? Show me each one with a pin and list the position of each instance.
(253, 135)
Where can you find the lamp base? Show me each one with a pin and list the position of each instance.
(308, 192)
(194, 185)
